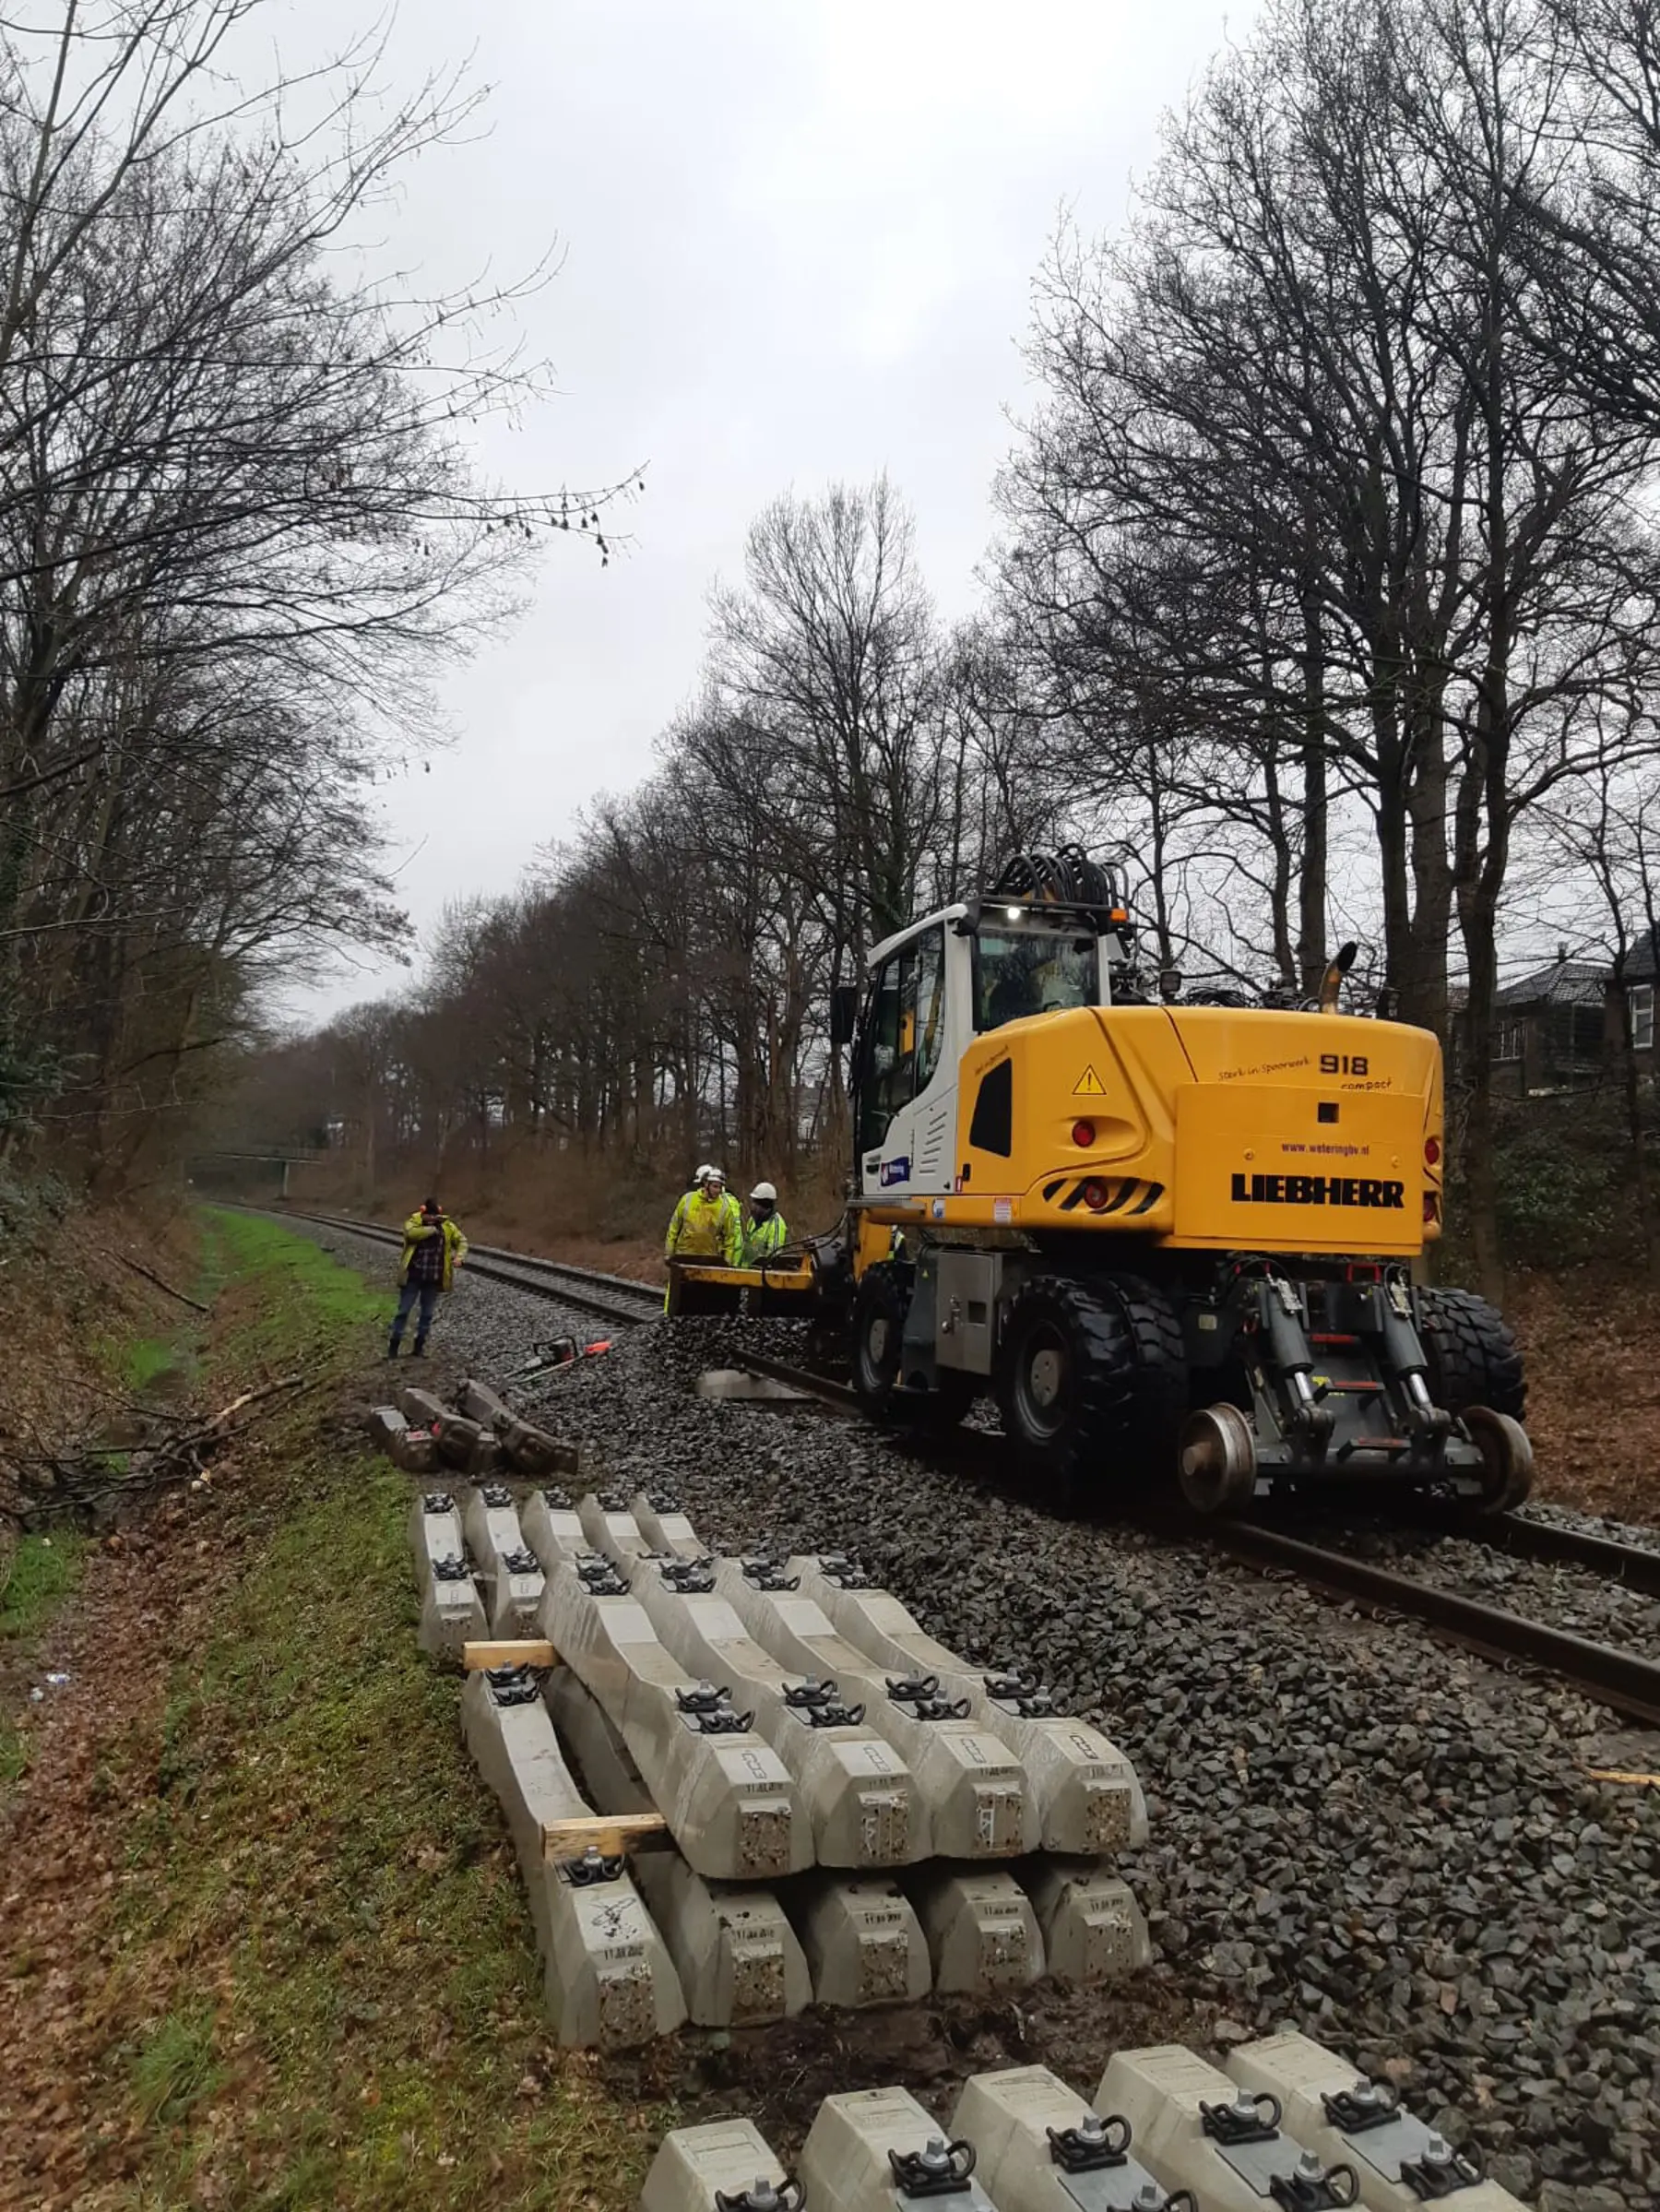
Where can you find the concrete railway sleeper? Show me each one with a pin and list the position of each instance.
(1288, 2126)
(980, 1804)
(862, 1801)
(1089, 1800)
(736, 1954)
(731, 1802)
(609, 1979)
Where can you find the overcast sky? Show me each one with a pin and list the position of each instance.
(799, 237)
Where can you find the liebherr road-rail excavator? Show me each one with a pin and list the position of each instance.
(1170, 1238)
(1167, 1237)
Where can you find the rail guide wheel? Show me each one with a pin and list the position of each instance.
(1216, 1461)
(1507, 1459)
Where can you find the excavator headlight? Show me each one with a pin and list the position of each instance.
(1095, 1197)
(1084, 1135)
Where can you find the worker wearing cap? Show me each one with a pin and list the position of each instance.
(434, 1248)
(765, 1231)
(706, 1224)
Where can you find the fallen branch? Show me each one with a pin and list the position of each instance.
(250, 1397)
(80, 1480)
(149, 1274)
(170, 1414)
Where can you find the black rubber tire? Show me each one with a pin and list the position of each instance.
(1116, 1386)
(878, 1317)
(1161, 1400)
(884, 1295)
(1471, 1355)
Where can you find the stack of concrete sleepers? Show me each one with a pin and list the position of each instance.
(957, 1830)
(1288, 2123)
(857, 1816)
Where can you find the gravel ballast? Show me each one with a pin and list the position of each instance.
(1574, 1598)
(1355, 1830)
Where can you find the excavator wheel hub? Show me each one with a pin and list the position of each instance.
(1217, 1460)
(1046, 1373)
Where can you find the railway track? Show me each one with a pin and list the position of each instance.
(589, 1289)
(1624, 1680)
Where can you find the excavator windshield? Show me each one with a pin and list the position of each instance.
(1022, 971)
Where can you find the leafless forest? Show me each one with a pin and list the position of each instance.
(1322, 587)
(239, 538)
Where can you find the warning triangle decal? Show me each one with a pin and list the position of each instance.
(1089, 1085)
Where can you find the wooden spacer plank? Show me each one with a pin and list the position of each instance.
(609, 1834)
(1618, 1774)
(520, 1651)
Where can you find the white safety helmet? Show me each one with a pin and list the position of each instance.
(703, 1174)
(764, 1190)
(714, 1175)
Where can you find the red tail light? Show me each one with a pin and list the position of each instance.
(1094, 1197)
(1083, 1134)
(1432, 1151)
(1431, 1206)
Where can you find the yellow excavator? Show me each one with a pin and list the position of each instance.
(1171, 1233)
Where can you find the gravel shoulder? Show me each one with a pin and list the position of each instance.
(1353, 1829)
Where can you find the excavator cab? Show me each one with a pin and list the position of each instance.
(1167, 1236)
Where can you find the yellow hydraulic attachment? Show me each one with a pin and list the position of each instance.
(706, 1287)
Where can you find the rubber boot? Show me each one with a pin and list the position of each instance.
(392, 1348)
(419, 1352)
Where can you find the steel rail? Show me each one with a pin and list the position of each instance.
(1619, 1680)
(842, 1395)
(597, 1278)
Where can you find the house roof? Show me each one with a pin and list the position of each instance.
(1641, 963)
(1563, 984)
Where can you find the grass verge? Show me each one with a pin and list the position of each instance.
(41, 1572)
(289, 1298)
(37, 1575)
(328, 1990)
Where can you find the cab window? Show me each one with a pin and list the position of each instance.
(878, 1057)
(905, 1031)
(1018, 972)
(930, 953)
